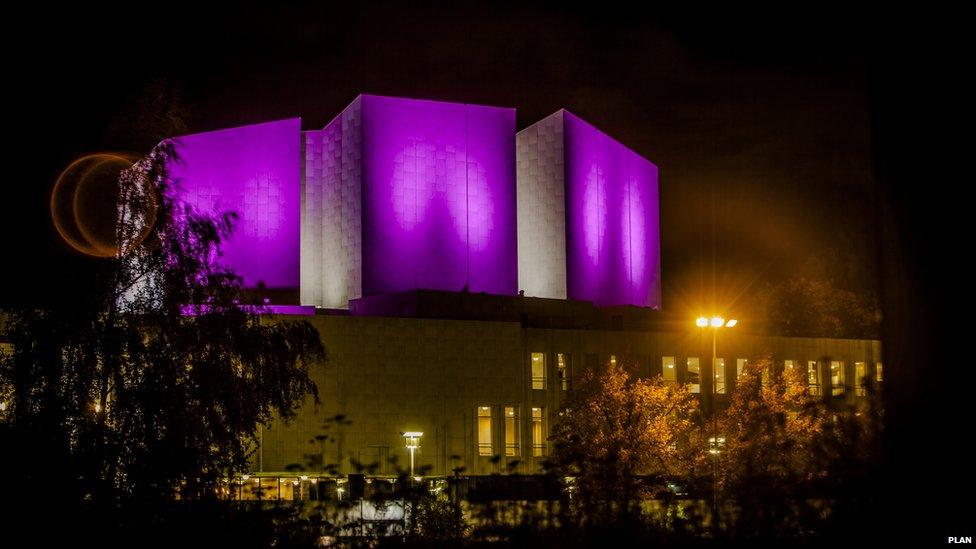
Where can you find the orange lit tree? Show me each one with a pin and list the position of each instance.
(618, 439)
(767, 442)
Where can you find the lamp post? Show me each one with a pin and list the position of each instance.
(715, 323)
(412, 439)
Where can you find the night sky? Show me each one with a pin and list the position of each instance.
(760, 126)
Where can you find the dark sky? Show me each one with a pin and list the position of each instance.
(760, 125)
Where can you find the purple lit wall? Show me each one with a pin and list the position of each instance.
(256, 172)
(438, 197)
(612, 226)
(401, 194)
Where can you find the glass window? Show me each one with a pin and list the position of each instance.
(668, 371)
(694, 374)
(511, 431)
(740, 367)
(538, 371)
(719, 385)
(860, 376)
(789, 364)
(562, 363)
(813, 377)
(484, 431)
(538, 432)
(613, 360)
(878, 376)
(837, 377)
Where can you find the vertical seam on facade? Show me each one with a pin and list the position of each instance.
(630, 232)
(467, 210)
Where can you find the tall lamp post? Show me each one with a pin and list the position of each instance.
(716, 323)
(412, 439)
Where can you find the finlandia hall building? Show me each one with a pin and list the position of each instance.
(461, 275)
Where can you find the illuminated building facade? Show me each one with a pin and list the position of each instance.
(462, 275)
(403, 194)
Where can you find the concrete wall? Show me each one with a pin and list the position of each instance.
(331, 250)
(542, 208)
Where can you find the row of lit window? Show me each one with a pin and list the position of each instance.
(511, 429)
(693, 373)
(814, 376)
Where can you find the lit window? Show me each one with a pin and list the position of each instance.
(860, 376)
(562, 362)
(511, 431)
(878, 375)
(813, 377)
(837, 377)
(719, 385)
(740, 367)
(484, 431)
(538, 432)
(789, 364)
(668, 370)
(694, 374)
(613, 360)
(538, 371)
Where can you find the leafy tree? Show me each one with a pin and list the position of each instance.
(615, 431)
(765, 449)
(126, 400)
(851, 454)
(809, 307)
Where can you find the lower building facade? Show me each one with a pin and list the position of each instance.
(484, 393)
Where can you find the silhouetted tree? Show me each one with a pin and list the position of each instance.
(808, 307)
(154, 386)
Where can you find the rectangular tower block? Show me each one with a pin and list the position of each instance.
(254, 171)
(610, 228)
(405, 194)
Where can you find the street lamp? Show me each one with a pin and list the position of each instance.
(715, 323)
(412, 439)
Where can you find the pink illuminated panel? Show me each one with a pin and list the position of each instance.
(254, 171)
(438, 196)
(612, 225)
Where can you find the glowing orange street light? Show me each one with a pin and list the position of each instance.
(715, 441)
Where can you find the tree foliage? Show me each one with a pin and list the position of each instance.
(156, 386)
(616, 431)
(769, 437)
(770, 428)
(768, 462)
(809, 307)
